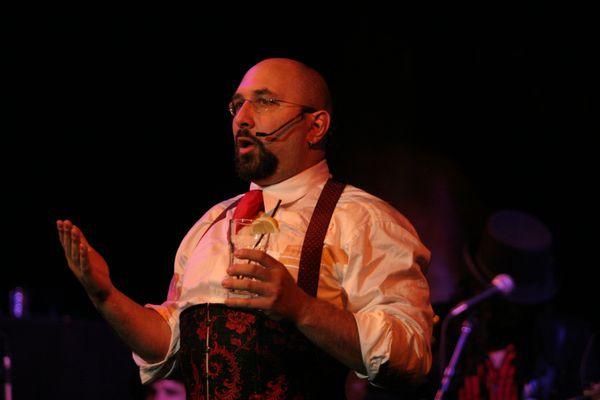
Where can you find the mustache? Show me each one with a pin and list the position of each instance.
(248, 136)
(243, 133)
(249, 140)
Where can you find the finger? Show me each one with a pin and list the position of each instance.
(67, 226)
(256, 303)
(82, 238)
(83, 257)
(75, 242)
(258, 256)
(59, 229)
(248, 285)
(255, 271)
(61, 233)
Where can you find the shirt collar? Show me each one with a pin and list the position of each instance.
(294, 188)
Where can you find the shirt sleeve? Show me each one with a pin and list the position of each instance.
(389, 297)
(170, 309)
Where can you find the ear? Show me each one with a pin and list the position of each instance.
(318, 127)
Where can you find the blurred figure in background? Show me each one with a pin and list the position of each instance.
(165, 389)
(520, 346)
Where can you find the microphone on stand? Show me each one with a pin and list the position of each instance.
(502, 283)
(268, 136)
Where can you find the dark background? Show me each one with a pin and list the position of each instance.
(119, 123)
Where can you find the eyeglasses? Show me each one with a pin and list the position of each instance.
(263, 105)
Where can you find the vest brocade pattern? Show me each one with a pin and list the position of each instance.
(252, 357)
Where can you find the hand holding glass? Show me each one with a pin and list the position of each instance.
(249, 234)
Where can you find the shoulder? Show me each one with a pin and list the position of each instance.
(197, 230)
(367, 220)
(217, 209)
(361, 209)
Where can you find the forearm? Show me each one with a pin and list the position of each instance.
(142, 329)
(332, 329)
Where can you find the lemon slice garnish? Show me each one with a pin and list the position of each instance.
(264, 224)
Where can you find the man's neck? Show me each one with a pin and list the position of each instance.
(276, 178)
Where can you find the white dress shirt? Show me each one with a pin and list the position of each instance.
(372, 265)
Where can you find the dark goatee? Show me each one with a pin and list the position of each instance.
(258, 164)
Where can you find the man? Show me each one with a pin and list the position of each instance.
(370, 313)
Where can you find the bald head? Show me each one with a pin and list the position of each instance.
(304, 84)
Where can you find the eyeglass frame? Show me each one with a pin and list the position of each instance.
(305, 108)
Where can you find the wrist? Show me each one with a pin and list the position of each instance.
(305, 308)
(101, 296)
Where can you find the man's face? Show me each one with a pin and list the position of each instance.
(264, 161)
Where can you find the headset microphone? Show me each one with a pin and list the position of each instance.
(268, 136)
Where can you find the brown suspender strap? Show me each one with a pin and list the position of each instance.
(312, 248)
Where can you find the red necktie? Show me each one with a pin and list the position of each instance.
(250, 205)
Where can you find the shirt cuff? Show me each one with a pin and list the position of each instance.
(150, 372)
(374, 333)
(389, 339)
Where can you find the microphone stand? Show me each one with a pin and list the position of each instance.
(465, 331)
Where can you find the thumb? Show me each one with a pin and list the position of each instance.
(79, 233)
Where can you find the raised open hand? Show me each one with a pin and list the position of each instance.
(86, 263)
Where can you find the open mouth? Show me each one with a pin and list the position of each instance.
(245, 145)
